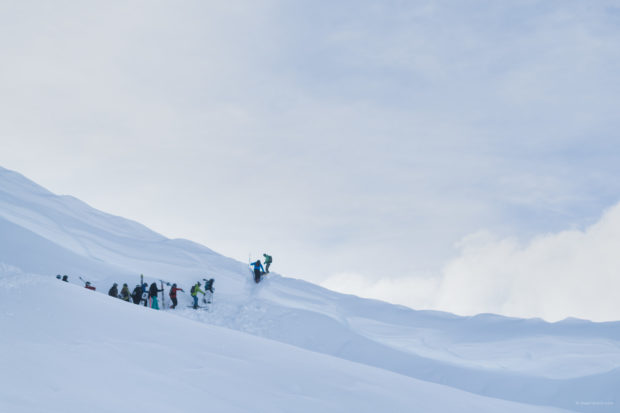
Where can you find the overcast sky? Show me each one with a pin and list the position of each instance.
(404, 150)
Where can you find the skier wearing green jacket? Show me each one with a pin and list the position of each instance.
(194, 291)
(268, 261)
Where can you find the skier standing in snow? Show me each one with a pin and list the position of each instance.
(113, 291)
(268, 261)
(136, 295)
(195, 290)
(125, 293)
(153, 291)
(208, 288)
(173, 295)
(258, 270)
(145, 294)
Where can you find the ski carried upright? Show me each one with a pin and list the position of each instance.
(250, 266)
(163, 295)
(144, 298)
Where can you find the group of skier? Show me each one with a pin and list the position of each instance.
(257, 266)
(146, 295)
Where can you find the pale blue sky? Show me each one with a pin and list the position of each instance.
(356, 137)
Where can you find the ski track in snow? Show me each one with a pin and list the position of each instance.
(574, 364)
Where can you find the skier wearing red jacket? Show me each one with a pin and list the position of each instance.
(173, 295)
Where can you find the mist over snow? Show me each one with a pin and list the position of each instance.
(572, 273)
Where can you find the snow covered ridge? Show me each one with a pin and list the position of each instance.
(573, 364)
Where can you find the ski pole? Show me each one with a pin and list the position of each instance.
(163, 296)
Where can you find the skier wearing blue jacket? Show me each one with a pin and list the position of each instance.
(145, 294)
(258, 270)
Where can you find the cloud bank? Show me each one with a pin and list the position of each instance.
(572, 273)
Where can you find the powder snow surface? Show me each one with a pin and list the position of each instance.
(282, 345)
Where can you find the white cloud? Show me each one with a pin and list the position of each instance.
(573, 273)
(400, 290)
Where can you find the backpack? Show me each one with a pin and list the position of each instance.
(193, 290)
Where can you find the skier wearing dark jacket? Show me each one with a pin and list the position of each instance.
(208, 289)
(136, 295)
(113, 291)
(153, 291)
(173, 295)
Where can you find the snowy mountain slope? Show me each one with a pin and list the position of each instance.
(563, 364)
(571, 364)
(90, 352)
(96, 244)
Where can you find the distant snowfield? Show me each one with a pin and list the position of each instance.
(543, 356)
(285, 345)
